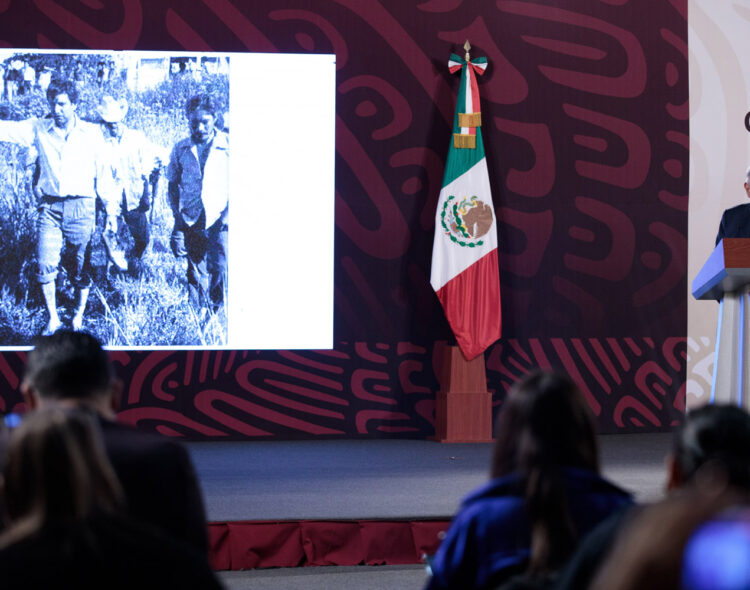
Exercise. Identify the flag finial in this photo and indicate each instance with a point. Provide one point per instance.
(467, 46)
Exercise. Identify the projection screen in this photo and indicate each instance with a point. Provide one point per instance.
(167, 200)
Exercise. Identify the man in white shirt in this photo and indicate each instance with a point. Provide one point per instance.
(134, 159)
(72, 173)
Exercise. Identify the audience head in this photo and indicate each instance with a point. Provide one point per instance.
(544, 422)
(69, 368)
(648, 553)
(545, 426)
(710, 463)
(56, 471)
(747, 182)
(713, 435)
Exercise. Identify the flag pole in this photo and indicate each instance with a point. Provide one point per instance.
(463, 406)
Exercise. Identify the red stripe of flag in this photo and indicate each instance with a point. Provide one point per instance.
(474, 88)
(471, 301)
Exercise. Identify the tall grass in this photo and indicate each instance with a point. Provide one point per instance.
(151, 310)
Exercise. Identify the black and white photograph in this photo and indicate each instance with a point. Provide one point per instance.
(114, 172)
(115, 190)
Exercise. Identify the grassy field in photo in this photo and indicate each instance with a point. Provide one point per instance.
(122, 310)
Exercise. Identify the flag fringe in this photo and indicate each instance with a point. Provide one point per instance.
(469, 119)
(462, 141)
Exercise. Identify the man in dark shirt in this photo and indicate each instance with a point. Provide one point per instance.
(70, 369)
(198, 175)
(735, 222)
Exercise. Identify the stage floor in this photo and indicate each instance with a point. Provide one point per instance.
(363, 577)
(380, 479)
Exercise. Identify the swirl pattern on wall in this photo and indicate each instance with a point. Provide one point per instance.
(585, 114)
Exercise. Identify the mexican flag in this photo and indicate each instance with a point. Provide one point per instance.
(465, 272)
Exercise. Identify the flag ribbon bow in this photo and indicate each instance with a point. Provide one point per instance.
(468, 114)
(478, 65)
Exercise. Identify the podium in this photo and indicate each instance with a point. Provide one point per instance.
(726, 277)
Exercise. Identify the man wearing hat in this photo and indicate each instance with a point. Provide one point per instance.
(134, 160)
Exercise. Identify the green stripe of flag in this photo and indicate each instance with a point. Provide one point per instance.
(461, 160)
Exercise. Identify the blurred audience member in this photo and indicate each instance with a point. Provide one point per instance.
(66, 523)
(70, 369)
(545, 492)
(648, 555)
(715, 440)
(716, 554)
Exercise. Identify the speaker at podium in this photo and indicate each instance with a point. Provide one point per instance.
(725, 277)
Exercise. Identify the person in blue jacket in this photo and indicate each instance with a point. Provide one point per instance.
(544, 495)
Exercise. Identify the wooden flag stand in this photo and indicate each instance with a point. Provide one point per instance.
(463, 406)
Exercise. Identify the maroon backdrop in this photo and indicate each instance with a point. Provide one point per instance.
(585, 111)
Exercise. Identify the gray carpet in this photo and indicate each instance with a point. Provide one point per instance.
(392, 577)
(637, 462)
(372, 479)
(347, 479)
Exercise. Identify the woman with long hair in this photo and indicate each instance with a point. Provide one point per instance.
(544, 495)
(66, 525)
(56, 473)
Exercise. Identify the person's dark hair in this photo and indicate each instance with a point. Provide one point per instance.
(56, 472)
(68, 365)
(62, 86)
(204, 102)
(718, 435)
(544, 425)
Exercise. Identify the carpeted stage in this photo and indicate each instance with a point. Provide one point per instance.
(344, 502)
